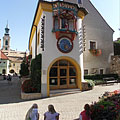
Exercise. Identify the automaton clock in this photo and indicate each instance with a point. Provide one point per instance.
(65, 45)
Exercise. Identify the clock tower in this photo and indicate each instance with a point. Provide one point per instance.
(6, 39)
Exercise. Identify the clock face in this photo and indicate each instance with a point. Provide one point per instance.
(65, 45)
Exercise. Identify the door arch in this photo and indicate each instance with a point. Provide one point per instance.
(63, 72)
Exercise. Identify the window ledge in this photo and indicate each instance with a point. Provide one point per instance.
(65, 30)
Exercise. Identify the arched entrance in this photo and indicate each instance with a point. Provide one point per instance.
(62, 75)
(64, 72)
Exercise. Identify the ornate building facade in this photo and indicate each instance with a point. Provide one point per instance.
(56, 33)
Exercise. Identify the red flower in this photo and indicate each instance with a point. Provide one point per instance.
(102, 106)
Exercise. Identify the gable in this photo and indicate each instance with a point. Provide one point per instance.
(94, 18)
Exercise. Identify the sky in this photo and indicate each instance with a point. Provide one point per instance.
(20, 15)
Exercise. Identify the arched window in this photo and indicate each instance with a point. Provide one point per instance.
(6, 42)
(3, 71)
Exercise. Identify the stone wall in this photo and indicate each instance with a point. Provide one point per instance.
(30, 96)
(115, 64)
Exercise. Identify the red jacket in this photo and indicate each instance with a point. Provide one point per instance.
(84, 116)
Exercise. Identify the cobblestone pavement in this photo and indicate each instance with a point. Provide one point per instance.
(69, 106)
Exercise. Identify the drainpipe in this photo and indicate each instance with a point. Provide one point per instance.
(36, 41)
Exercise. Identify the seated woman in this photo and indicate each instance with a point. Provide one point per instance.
(32, 113)
(51, 114)
(85, 114)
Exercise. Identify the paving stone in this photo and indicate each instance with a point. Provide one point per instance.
(69, 106)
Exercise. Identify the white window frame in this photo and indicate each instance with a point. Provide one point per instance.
(84, 71)
(101, 69)
(92, 41)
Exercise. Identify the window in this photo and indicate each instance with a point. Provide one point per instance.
(6, 42)
(101, 71)
(64, 23)
(92, 45)
(3, 71)
(14, 64)
(61, 73)
(86, 72)
(38, 40)
(71, 25)
(56, 23)
(79, 2)
(6, 48)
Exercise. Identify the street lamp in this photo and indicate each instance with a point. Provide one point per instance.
(36, 41)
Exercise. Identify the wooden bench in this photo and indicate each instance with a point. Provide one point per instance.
(108, 80)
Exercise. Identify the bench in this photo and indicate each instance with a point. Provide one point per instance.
(108, 80)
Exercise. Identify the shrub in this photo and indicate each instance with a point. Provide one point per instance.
(108, 108)
(90, 83)
(27, 86)
(117, 48)
(100, 76)
(24, 71)
(36, 72)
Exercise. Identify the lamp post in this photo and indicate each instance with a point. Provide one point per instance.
(36, 41)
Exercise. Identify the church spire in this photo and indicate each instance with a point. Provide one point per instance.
(7, 29)
(6, 39)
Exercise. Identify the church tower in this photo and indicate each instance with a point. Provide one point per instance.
(6, 39)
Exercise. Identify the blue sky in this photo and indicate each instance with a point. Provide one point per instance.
(20, 14)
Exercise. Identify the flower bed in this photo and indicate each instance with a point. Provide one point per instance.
(28, 91)
(108, 107)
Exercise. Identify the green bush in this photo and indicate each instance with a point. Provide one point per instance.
(98, 82)
(36, 72)
(90, 83)
(100, 76)
(106, 104)
(117, 48)
(24, 71)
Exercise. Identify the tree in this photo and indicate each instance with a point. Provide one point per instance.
(36, 72)
(24, 71)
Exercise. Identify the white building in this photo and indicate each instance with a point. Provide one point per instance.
(98, 42)
(56, 33)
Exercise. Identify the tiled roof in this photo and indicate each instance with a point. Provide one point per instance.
(3, 56)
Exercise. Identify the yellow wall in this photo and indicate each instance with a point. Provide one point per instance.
(42, 7)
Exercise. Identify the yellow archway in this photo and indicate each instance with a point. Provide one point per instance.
(78, 70)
